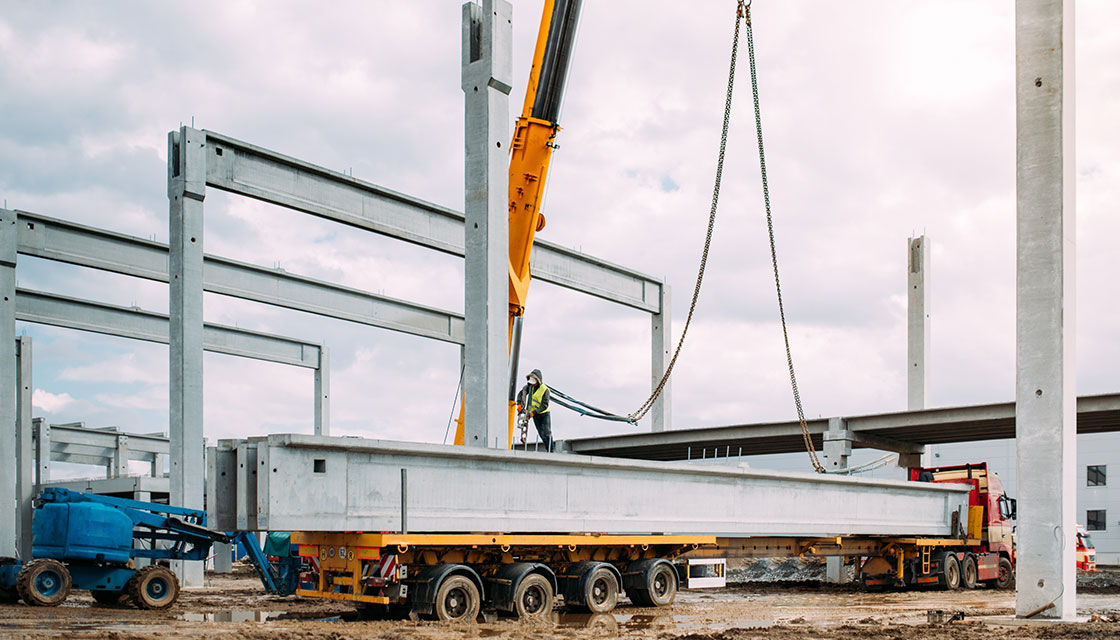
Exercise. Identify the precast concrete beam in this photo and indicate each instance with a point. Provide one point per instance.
(309, 483)
(1045, 322)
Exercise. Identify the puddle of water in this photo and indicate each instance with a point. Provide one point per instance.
(235, 615)
(614, 622)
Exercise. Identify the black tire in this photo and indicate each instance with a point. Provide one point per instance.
(600, 592)
(109, 597)
(534, 597)
(153, 587)
(457, 600)
(950, 572)
(9, 596)
(43, 583)
(1006, 577)
(970, 574)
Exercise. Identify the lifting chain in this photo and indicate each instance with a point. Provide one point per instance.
(742, 14)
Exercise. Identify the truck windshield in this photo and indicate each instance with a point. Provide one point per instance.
(1087, 541)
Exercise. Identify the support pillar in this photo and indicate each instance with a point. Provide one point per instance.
(9, 514)
(1045, 394)
(25, 467)
(834, 570)
(42, 435)
(917, 373)
(837, 444)
(120, 457)
(486, 78)
(662, 331)
(186, 189)
(323, 393)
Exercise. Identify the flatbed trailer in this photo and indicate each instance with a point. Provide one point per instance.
(452, 576)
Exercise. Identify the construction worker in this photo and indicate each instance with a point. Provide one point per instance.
(534, 399)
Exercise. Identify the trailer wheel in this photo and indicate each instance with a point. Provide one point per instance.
(457, 600)
(1006, 575)
(533, 598)
(601, 591)
(951, 572)
(970, 574)
(109, 597)
(658, 587)
(9, 595)
(43, 583)
(153, 587)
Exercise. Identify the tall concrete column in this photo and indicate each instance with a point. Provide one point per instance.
(42, 435)
(487, 75)
(186, 189)
(323, 393)
(9, 514)
(25, 467)
(662, 330)
(1045, 394)
(917, 370)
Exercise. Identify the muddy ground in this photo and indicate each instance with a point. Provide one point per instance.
(236, 607)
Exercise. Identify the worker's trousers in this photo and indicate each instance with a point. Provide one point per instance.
(544, 429)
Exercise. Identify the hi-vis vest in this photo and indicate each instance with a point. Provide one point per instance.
(537, 399)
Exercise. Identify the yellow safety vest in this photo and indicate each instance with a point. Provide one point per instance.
(537, 399)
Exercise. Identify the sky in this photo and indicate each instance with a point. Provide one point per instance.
(883, 120)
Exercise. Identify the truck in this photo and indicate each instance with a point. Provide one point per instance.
(1086, 552)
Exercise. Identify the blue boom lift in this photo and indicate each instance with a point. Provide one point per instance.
(88, 541)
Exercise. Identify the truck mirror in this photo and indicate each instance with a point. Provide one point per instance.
(1014, 507)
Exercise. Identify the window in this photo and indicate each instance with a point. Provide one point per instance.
(1095, 520)
(1096, 475)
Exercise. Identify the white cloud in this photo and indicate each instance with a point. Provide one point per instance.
(121, 369)
(50, 402)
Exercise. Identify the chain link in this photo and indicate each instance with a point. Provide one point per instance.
(648, 404)
(774, 253)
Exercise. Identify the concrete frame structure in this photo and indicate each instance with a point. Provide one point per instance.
(487, 76)
(1045, 390)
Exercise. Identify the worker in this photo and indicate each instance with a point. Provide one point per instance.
(534, 400)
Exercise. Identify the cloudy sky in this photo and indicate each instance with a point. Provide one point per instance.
(883, 120)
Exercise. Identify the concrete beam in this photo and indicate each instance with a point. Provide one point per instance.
(63, 241)
(248, 170)
(1045, 396)
(125, 322)
(186, 190)
(487, 71)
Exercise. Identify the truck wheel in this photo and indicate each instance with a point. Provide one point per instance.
(601, 591)
(658, 588)
(457, 600)
(970, 574)
(951, 572)
(153, 587)
(109, 597)
(1006, 575)
(533, 598)
(43, 583)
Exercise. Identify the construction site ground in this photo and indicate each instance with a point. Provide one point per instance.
(236, 607)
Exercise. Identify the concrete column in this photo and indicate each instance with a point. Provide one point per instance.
(917, 370)
(1045, 394)
(323, 393)
(487, 76)
(120, 457)
(42, 451)
(25, 467)
(837, 444)
(834, 570)
(186, 189)
(662, 331)
(9, 514)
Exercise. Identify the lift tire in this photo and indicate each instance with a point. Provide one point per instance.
(533, 597)
(950, 572)
(9, 595)
(1006, 577)
(658, 587)
(153, 587)
(600, 593)
(109, 597)
(970, 573)
(44, 583)
(457, 600)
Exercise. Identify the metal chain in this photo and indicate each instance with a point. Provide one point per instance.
(648, 404)
(774, 253)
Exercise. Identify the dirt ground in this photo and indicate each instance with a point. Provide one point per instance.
(236, 607)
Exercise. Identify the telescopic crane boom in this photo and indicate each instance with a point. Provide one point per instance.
(533, 141)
